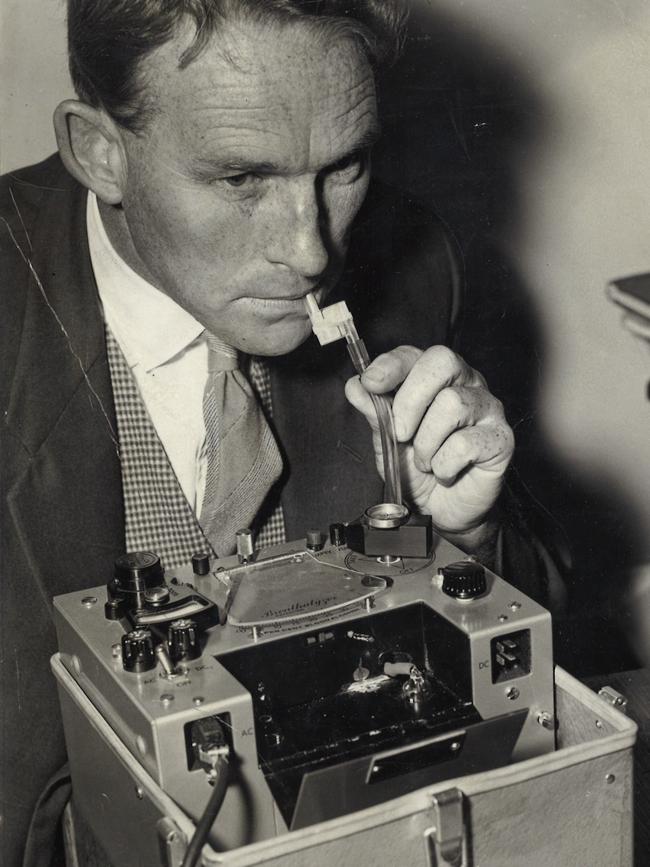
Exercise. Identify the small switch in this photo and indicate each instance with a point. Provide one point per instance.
(245, 547)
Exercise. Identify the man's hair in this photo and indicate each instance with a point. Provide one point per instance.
(108, 39)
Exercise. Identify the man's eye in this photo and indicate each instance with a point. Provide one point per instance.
(349, 168)
(243, 180)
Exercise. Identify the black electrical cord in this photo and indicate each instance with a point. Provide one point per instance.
(210, 813)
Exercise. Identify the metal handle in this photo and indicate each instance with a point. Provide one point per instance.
(446, 842)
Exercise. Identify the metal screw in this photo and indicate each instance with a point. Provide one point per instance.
(198, 700)
(89, 601)
(514, 606)
(503, 618)
(512, 693)
(166, 698)
(454, 746)
(298, 558)
(610, 778)
(139, 793)
(599, 725)
(545, 719)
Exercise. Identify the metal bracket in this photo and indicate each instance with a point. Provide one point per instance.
(614, 698)
(173, 842)
(445, 842)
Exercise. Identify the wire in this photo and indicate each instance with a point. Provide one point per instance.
(344, 568)
(210, 813)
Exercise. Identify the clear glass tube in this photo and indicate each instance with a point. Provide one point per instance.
(384, 409)
(335, 322)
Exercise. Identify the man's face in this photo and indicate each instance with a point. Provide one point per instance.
(242, 190)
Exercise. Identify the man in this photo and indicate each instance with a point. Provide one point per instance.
(217, 160)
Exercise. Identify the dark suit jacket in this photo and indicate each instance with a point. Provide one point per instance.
(62, 515)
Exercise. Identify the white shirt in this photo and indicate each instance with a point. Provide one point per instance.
(166, 350)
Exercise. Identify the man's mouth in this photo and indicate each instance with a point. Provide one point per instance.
(291, 299)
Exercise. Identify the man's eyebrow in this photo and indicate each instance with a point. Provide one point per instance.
(368, 139)
(207, 166)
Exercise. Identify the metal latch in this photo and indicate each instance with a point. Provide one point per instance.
(445, 841)
(614, 698)
(173, 842)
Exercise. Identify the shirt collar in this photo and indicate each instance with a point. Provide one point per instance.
(150, 327)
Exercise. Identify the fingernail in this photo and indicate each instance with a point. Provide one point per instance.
(374, 374)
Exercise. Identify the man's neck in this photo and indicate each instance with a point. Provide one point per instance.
(116, 228)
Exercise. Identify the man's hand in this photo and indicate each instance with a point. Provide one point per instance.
(456, 442)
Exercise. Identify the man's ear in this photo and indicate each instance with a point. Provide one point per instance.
(91, 147)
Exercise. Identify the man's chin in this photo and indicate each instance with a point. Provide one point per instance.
(278, 338)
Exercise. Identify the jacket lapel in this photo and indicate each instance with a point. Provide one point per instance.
(67, 504)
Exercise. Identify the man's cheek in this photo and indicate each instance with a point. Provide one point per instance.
(343, 207)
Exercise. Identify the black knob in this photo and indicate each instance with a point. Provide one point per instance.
(183, 641)
(138, 571)
(314, 540)
(463, 580)
(138, 651)
(337, 535)
(201, 564)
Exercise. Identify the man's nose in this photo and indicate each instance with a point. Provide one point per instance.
(300, 235)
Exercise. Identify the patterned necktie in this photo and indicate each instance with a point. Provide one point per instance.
(243, 459)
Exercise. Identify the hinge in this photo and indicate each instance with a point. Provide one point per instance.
(445, 841)
(173, 842)
(614, 698)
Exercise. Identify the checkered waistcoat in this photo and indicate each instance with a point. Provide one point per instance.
(157, 514)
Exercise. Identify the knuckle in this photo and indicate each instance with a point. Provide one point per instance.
(501, 442)
(497, 406)
(458, 446)
(442, 361)
(407, 357)
(507, 437)
(488, 406)
(478, 379)
(450, 401)
(410, 353)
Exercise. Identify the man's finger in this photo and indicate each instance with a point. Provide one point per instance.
(453, 408)
(390, 369)
(437, 368)
(487, 445)
(361, 401)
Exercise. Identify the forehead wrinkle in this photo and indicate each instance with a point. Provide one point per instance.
(349, 137)
(299, 103)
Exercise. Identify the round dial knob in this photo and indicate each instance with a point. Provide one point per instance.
(463, 580)
(138, 651)
(183, 640)
(201, 564)
(138, 571)
(314, 540)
